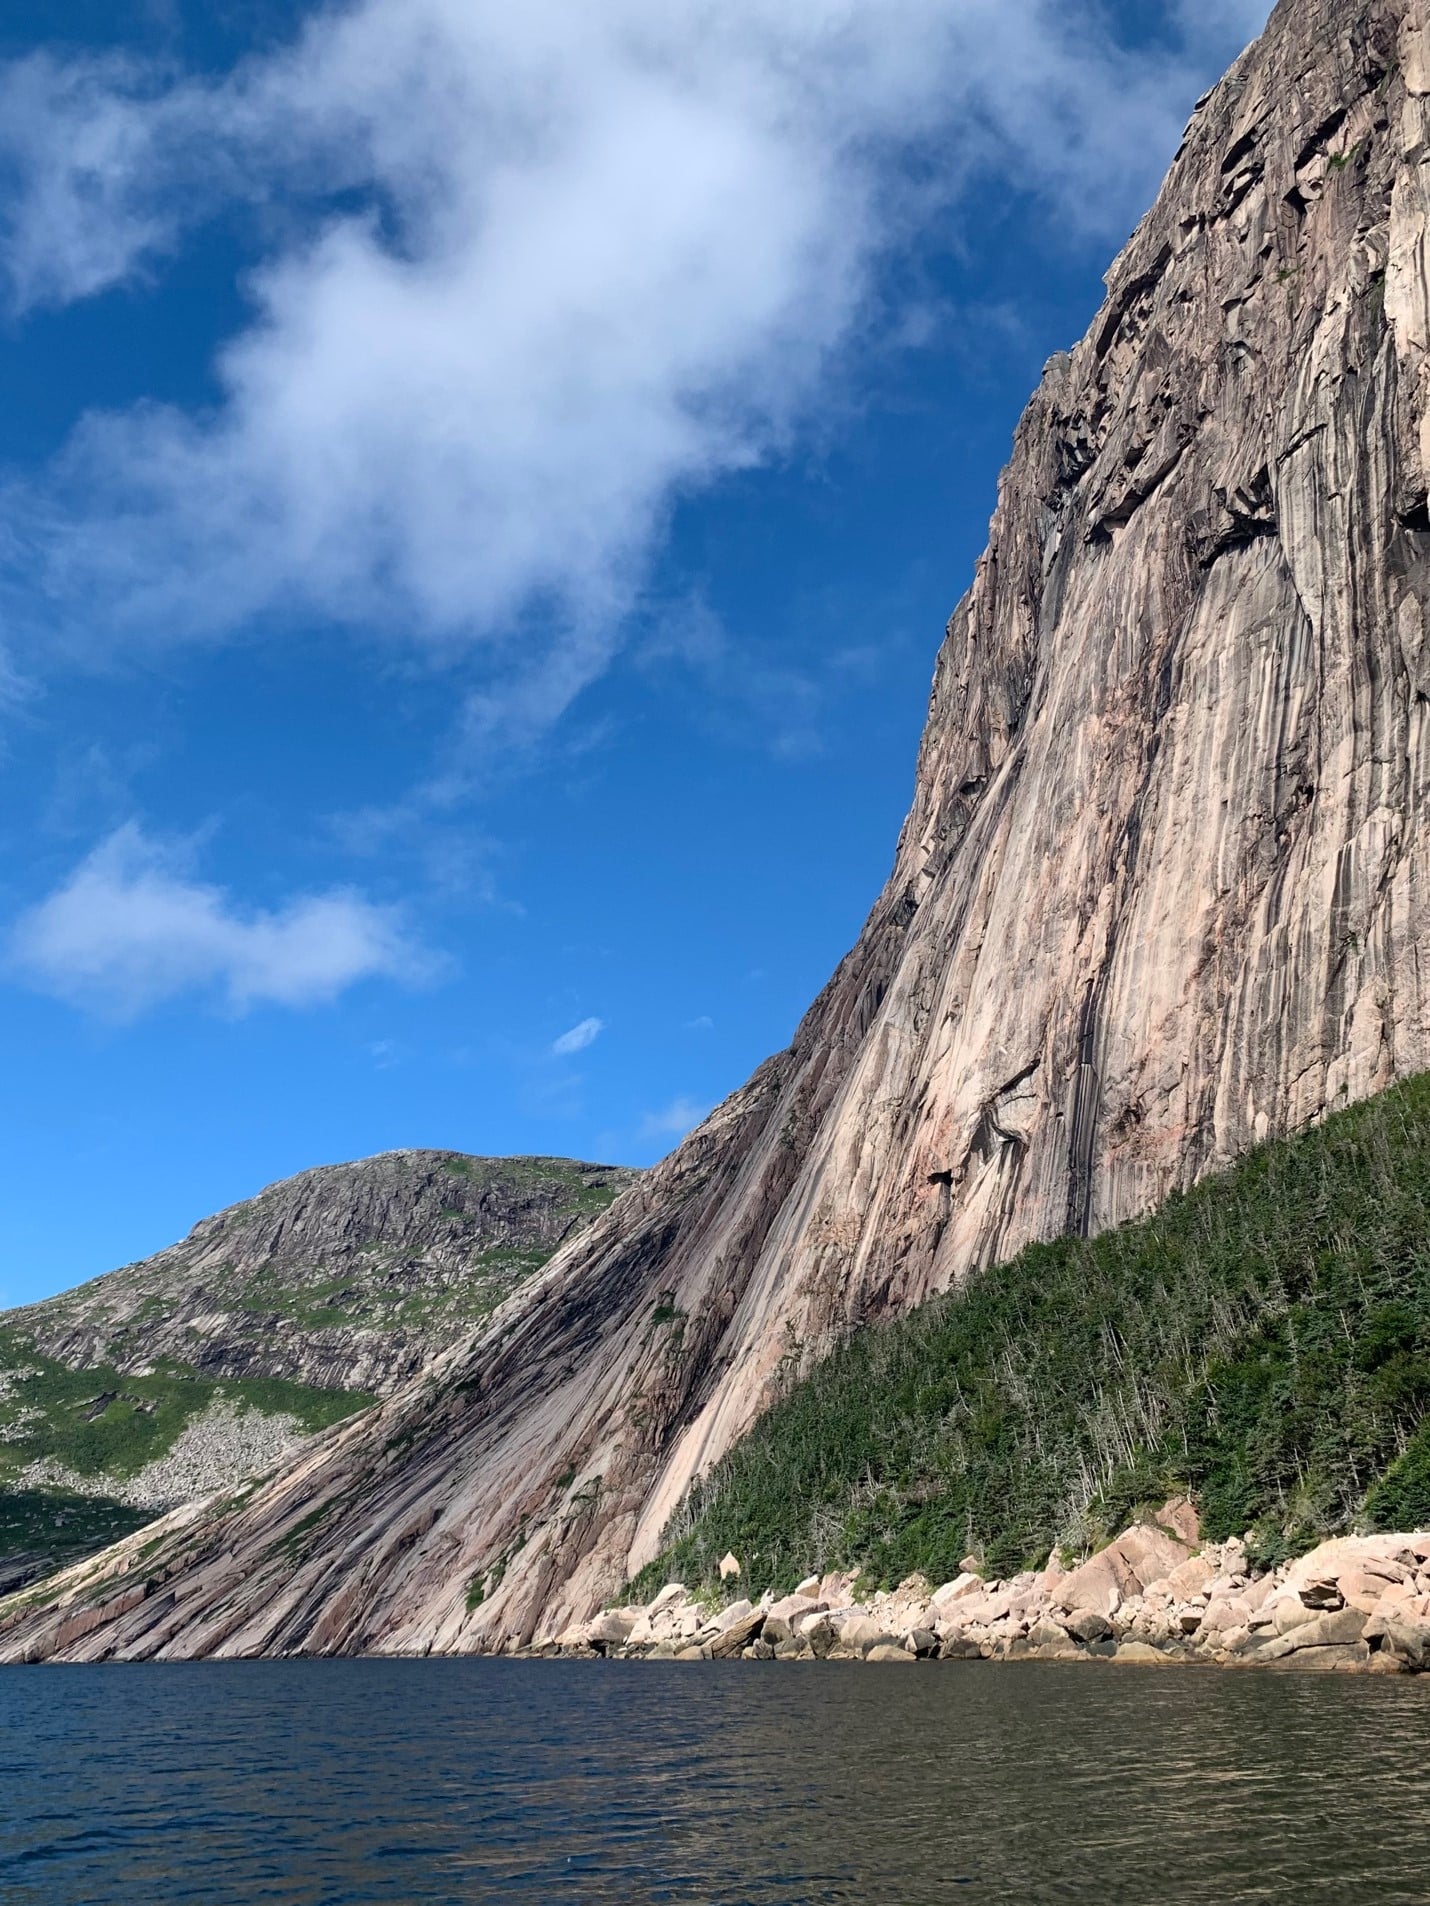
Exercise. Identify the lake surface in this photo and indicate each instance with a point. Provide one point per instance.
(333, 1783)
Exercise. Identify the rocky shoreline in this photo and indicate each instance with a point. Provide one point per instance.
(1154, 1597)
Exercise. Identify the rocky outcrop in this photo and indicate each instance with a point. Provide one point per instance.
(1359, 1605)
(1161, 894)
(349, 1277)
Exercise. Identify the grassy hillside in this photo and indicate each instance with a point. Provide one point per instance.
(102, 1428)
(1263, 1342)
(98, 1422)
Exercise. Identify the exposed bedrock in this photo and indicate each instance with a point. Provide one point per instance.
(1161, 894)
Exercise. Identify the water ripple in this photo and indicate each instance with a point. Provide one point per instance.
(482, 1783)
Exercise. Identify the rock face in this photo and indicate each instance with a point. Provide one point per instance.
(350, 1277)
(1161, 894)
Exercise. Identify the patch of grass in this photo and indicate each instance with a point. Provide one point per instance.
(101, 1423)
(1263, 1341)
(58, 1529)
(1340, 160)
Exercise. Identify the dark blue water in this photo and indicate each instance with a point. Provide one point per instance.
(329, 1783)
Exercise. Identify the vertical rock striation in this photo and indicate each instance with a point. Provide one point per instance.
(1161, 894)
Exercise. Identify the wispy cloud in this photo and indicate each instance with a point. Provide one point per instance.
(682, 1115)
(578, 1038)
(530, 274)
(129, 929)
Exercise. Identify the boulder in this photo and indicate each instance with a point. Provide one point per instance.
(1046, 1633)
(791, 1608)
(1361, 1588)
(1258, 1591)
(1332, 1659)
(1288, 1612)
(862, 1632)
(959, 1647)
(729, 1568)
(1187, 1579)
(1323, 1592)
(736, 1612)
(611, 1629)
(692, 1653)
(944, 1598)
(1408, 1641)
(835, 1589)
(1179, 1517)
(1340, 1628)
(922, 1642)
(888, 1651)
(1320, 1571)
(819, 1636)
(736, 1635)
(1225, 1613)
(809, 1586)
(1383, 1663)
(1123, 1569)
(1088, 1626)
(1138, 1654)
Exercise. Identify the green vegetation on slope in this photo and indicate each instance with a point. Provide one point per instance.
(54, 1529)
(1263, 1341)
(101, 1423)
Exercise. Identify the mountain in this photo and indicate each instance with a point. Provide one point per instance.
(189, 1371)
(1160, 897)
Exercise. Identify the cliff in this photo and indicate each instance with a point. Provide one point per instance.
(1160, 895)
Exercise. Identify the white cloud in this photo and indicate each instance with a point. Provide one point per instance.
(703, 1024)
(679, 1117)
(588, 259)
(128, 930)
(578, 1038)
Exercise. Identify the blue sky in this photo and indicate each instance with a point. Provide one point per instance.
(480, 496)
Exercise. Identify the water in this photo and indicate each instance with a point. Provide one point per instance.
(332, 1783)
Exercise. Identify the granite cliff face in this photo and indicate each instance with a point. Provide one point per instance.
(1162, 893)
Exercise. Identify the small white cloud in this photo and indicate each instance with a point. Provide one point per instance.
(578, 1038)
(703, 1024)
(128, 930)
(679, 1117)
